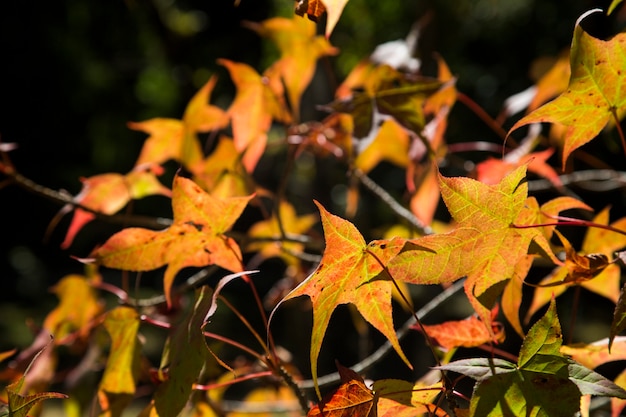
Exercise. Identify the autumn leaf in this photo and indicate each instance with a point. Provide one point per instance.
(109, 193)
(185, 356)
(470, 332)
(485, 246)
(391, 144)
(591, 269)
(195, 238)
(397, 398)
(594, 96)
(552, 83)
(78, 307)
(596, 353)
(352, 398)
(386, 93)
(222, 174)
(121, 371)
(177, 139)
(492, 170)
(290, 224)
(300, 49)
(314, 9)
(255, 106)
(350, 271)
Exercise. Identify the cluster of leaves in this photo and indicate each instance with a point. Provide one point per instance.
(384, 111)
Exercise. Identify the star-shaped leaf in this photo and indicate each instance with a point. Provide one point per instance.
(256, 105)
(350, 271)
(300, 49)
(196, 237)
(177, 139)
(109, 193)
(485, 246)
(596, 93)
(222, 173)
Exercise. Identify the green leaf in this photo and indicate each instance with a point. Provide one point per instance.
(592, 383)
(543, 338)
(525, 393)
(479, 368)
(19, 405)
(185, 358)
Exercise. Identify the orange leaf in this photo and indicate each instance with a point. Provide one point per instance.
(300, 50)
(350, 271)
(470, 332)
(485, 246)
(78, 307)
(221, 173)
(109, 193)
(552, 83)
(397, 398)
(291, 224)
(177, 139)
(493, 170)
(597, 353)
(351, 399)
(390, 144)
(196, 237)
(595, 94)
(252, 112)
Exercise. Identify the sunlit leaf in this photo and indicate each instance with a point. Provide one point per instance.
(300, 49)
(597, 353)
(121, 372)
(595, 95)
(177, 139)
(195, 238)
(485, 246)
(590, 269)
(78, 307)
(470, 332)
(222, 174)
(272, 230)
(350, 271)
(256, 105)
(397, 398)
(109, 193)
(352, 398)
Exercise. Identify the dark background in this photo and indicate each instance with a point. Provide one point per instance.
(73, 73)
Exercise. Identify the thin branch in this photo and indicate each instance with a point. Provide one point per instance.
(386, 347)
(593, 180)
(64, 198)
(392, 203)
